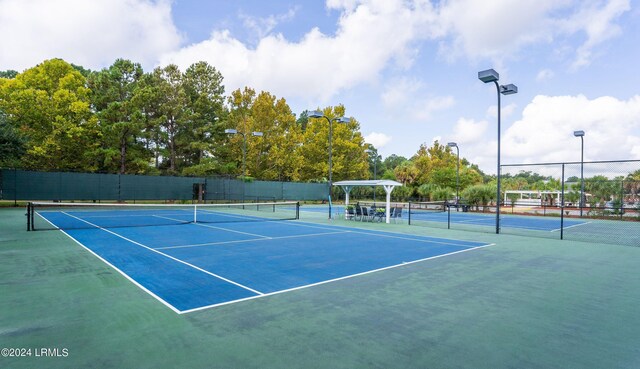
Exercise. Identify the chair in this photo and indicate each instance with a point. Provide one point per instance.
(396, 214)
(365, 213)
(350, 213)
(358, 212)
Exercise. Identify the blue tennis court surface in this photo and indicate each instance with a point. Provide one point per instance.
(194, 266)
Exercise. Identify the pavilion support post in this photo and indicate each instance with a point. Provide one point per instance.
(347, 190)
(388, 190)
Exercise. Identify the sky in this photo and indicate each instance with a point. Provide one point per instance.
(406, 70)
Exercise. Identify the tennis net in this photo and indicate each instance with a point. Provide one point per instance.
(57, 215)
(425, 210)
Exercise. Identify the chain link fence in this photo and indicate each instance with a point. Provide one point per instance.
(590, 201)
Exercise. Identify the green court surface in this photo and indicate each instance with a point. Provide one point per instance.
(520, 303)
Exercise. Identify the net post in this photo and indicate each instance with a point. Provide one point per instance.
(448, 215)
(195, 212)
(409, 214)
(297, 210)
(562, 207)
(29, 216)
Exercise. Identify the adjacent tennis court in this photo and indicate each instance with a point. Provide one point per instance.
(194, 257)
(439, 214)
(528, 222)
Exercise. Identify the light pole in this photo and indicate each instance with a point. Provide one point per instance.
(453, 144)
(581, 135)
(244, 146)
(488, 76)
(375, 169)
(319, 114)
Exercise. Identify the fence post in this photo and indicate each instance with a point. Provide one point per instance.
(29, 216)
(562, 206)
(621, 199)
(15, 187)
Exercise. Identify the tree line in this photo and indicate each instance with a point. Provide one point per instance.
(121, 119)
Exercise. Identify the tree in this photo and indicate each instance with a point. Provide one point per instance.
(632, 186)
(303, 120)
(276, 155)
(240, 103)
(392, 161)
(9, 74)
(50, 105)
(479, 194)
(12, 144)
(600, 188)
(203, 135)
(406, 173)
(349, 159)
(428, 190)
(113, 89)
(173, 109)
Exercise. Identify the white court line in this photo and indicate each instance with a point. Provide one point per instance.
(354, 230)
(250, 240)
(169, 256)
(214, 227)
(575, 225)
(334, 280)
(259, 294)
(116, 269)
(121, 215)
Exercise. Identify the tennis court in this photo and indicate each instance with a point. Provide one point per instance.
(439, 214)
(529, 222)
(191, 257)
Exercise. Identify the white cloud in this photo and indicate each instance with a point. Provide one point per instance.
(262, 26)
(378, 140)
(499, 28)
(597, 22)
(544, 75)
(89, 33)
(490, 29)
(370, 36)
(545, 132)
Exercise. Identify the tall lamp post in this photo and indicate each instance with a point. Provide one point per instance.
(488, 76)
(244, 146)
(581, 135)
(453, 144)
(375, 168)
(319, 114)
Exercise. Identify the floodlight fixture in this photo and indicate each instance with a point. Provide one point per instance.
(315, 114)
(488, 75)
(230, 131)
(509, 89)
(578, 133)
